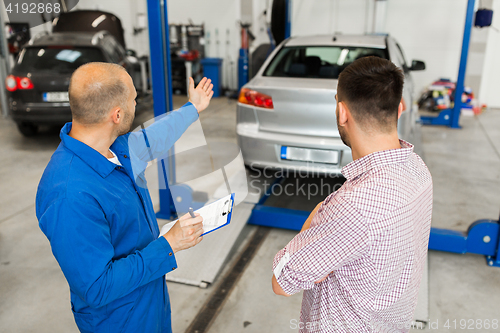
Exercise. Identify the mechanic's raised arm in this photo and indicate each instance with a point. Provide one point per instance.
(157, 139)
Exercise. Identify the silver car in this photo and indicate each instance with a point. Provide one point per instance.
(286, 113)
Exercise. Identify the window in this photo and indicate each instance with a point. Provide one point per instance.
(402, 56)
(114, 50)
(62, 59)
(324, 62)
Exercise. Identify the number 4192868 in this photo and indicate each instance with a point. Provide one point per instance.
(34, 8)
(471, 324)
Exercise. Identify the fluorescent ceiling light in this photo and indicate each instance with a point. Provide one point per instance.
(98, 20)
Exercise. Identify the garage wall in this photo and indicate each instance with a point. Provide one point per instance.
(219, 16)
(490, 86)
(432, 31)
(311, 17)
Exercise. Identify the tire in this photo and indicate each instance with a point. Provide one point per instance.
(278, 20)
(27, 129)
(259, 56)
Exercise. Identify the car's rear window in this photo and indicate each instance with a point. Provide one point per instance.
(57, 58)
(324, 62)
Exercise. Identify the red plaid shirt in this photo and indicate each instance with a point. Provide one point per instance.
(370, 237)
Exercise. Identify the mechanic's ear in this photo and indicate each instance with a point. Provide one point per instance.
(116, 115)
(342, 118)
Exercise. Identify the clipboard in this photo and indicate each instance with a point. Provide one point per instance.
(223, 209)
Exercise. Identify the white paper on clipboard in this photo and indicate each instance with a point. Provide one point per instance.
(215, 215)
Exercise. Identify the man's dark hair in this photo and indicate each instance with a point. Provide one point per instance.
(372, 88)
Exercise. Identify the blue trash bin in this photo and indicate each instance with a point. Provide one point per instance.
(212, 69)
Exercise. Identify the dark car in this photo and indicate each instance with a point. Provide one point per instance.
(93, 21)
(37, 88)
(89, 21)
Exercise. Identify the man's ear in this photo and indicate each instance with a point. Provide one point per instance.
(401, 108)
(343, 110)
(116, 115)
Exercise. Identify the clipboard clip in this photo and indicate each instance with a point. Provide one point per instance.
(229, 207)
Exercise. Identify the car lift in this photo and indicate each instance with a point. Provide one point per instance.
(482, 237)
(159, 43)
(450, 117)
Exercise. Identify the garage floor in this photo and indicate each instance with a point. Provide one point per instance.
(465, 165)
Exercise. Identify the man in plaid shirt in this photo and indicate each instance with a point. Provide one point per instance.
(360, 255)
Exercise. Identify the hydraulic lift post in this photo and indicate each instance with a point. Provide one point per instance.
(159, 44)
(450, 117)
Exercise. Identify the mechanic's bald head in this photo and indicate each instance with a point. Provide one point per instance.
(95, 89)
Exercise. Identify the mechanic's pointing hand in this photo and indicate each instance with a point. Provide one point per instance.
(202, 94)
(185, 233)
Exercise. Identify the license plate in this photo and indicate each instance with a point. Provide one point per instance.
(310, 155)
(55, 97)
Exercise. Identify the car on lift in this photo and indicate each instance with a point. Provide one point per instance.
(286, 114)
(37, 87)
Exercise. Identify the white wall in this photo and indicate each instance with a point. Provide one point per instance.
(490, 84)
(432, 31)
(311, 17)
(218, 16)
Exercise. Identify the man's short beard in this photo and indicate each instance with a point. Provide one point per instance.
(343, 135)
(126, 125)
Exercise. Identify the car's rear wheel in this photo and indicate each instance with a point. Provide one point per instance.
(278, 20)
(27, 129)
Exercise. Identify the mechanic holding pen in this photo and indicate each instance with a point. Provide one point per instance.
(100, 223)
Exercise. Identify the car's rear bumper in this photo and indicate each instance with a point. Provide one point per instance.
(41, 113)
(262, 149)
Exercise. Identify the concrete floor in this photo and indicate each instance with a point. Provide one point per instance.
(465, 165)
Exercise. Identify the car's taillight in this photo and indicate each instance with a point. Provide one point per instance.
(255, 98)
(11, 83)
(24, 83)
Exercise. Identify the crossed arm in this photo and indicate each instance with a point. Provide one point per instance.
(276, 287)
